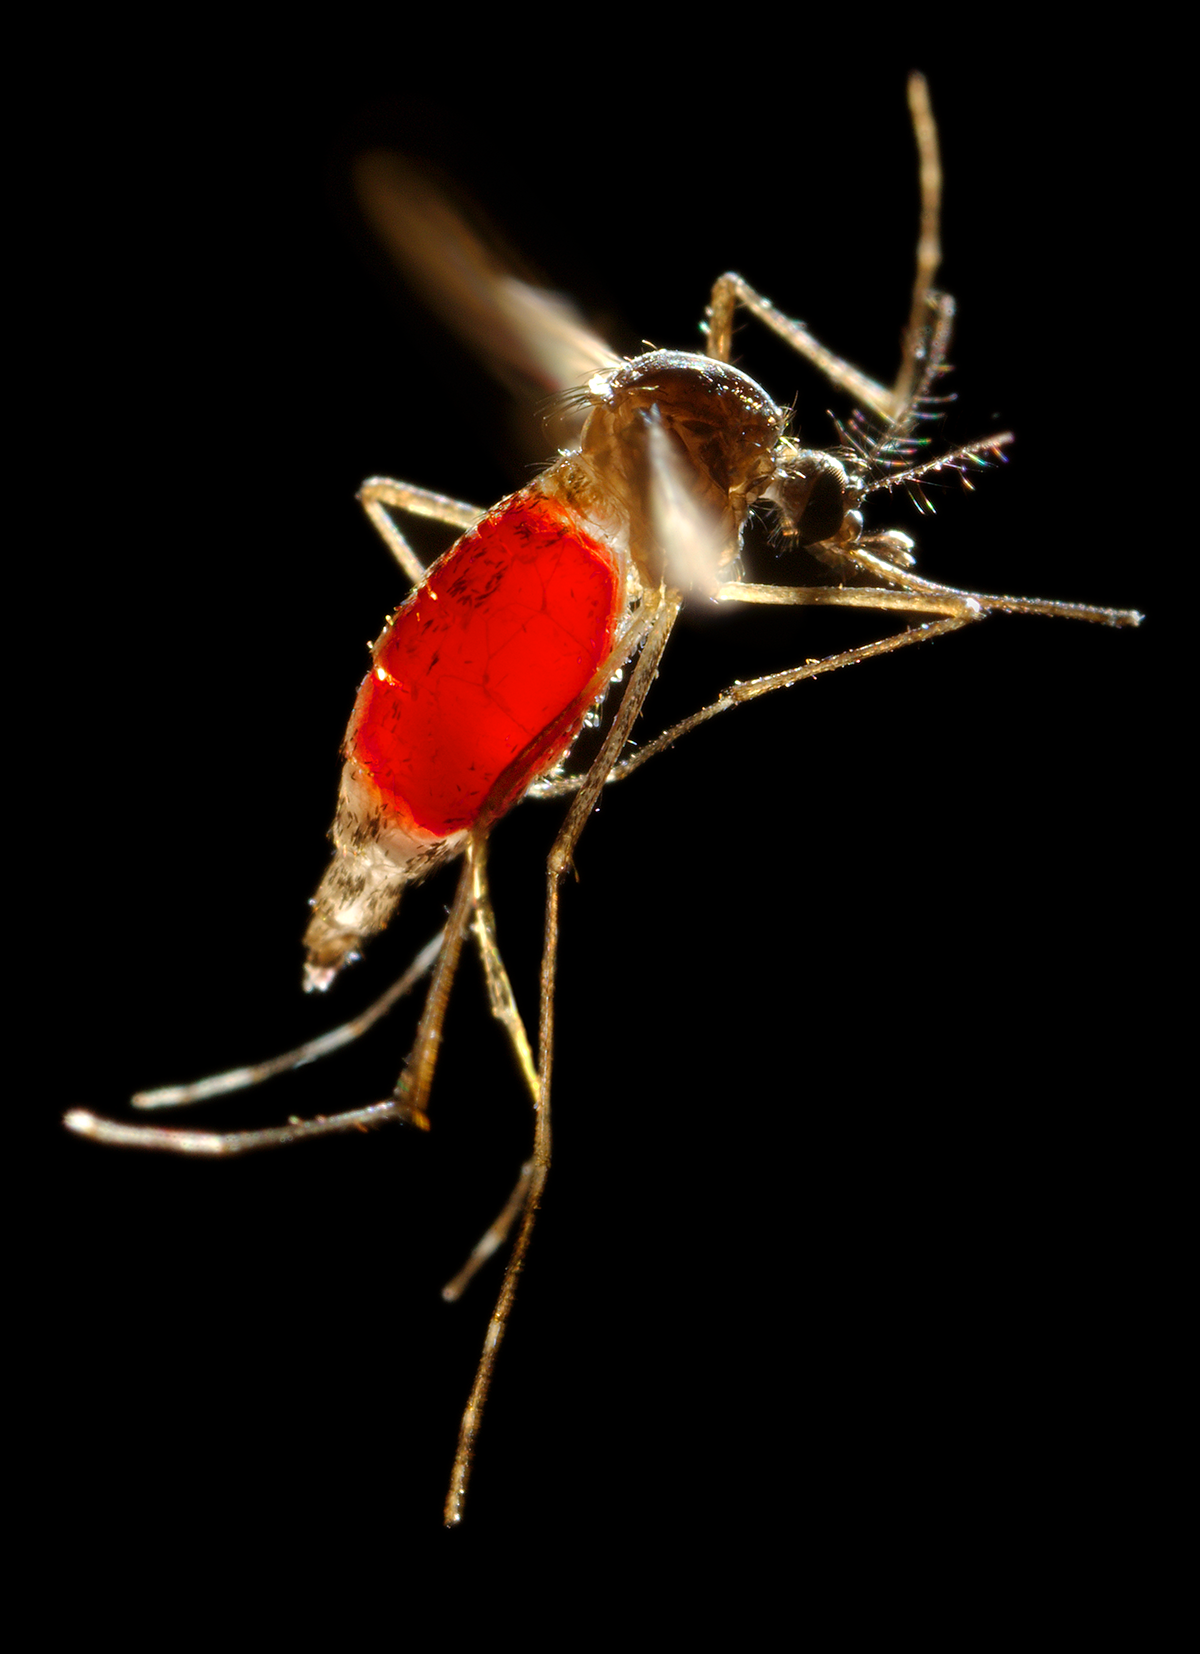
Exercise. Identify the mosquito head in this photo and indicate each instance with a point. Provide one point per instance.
(819, 494)
(814, 494)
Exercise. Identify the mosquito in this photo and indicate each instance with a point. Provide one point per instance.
(484, 676)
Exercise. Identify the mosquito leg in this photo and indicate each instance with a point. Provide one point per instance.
(500, 994)
(406, 1103)
(730, 290)
(929, 247)
(237, 1079)
(564, 845)
(504, 1009)
(752, 689)
(939, 601)
(917, 596)
(175, 1140)
(563, 849)
(468, 1429)
(958, 609)
(102, 1130)
(412, 1087)
(539, 1165)
(492, 1239)
(378, 493)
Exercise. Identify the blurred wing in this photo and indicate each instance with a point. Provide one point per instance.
(516, 328)
(692, 542)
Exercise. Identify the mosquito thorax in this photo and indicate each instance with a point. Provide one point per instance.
(727, 423)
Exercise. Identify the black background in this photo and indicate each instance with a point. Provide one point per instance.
(836, 1245)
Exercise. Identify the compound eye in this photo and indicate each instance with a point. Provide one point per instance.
(822, 515)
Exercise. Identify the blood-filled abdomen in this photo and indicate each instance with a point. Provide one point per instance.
(492, 652)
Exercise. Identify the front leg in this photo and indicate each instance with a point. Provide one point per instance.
(929, 313)
(730, 290)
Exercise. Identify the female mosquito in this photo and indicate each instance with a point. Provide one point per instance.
(482, 679)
